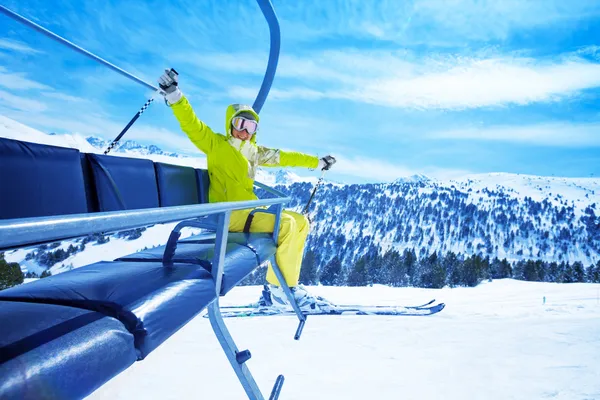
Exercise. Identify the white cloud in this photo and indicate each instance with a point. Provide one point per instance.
(19, 81)
(550, 134)
(401, 80)
(17, 46)
(483, 83)
(65, 97)
(15, 102)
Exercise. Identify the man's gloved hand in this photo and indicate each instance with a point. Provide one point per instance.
(169, 83)
(326, 162)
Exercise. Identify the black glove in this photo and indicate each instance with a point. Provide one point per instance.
(169, 83)
(325, 163)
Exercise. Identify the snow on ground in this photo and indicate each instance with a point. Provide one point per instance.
(496, 341)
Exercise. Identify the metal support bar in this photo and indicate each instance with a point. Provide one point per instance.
(288, 292)
(277, 388)
(227, 343)
(169, 253)
(218, 260)
(22, 232)
(64, 41)
(275, 36)
(275, 209)
(236, 358)
(270, 190)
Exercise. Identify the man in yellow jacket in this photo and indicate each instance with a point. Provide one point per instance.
(232, 162)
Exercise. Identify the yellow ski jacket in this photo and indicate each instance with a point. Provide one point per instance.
(231, 162)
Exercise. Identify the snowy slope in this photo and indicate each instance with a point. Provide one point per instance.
(579, 192)
(496, 341)
(12, 129)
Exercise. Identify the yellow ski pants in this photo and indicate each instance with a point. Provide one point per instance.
(290, 243)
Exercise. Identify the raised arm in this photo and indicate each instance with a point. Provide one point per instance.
(199, 133)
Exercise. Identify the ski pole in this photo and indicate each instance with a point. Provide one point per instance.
(314, 191)
(64, 41)
(135, 117)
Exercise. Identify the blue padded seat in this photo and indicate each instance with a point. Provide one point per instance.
(262, 244)
(203, 184)
(57, 352)
(47, 179)
(177, 185)
(240, 260)
(151, 300)
(123, 183)
(88, 181)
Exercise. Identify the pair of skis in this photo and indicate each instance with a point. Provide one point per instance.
(253, 310)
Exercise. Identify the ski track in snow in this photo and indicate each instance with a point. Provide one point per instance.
(496, 341)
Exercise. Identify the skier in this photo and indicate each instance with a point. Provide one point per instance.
(232, 161)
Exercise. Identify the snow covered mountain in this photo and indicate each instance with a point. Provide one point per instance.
(129, 146)
(497, 215)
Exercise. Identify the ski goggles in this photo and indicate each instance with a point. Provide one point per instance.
(241, 123)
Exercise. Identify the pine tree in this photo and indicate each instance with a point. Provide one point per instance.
(596, 274)
(473, 271)
(569, 274)
(505, 269)
(433, 273)
(530, 272)
(454, 266)
(397, 272)
(552, 273)
(358, 275)
(331, 275)
(308, 273)
(518, 270)
(409, 259)
(578, 272)
(10, 274)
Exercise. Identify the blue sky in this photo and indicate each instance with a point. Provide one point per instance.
(391, 88)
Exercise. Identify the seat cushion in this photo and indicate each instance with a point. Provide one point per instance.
(151, 300)
(240, 260)
(123, 183)
(177, 185)
(39, 180)
(57, 352)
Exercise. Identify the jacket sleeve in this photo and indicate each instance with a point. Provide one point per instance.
(198, 132)
(278, 158)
